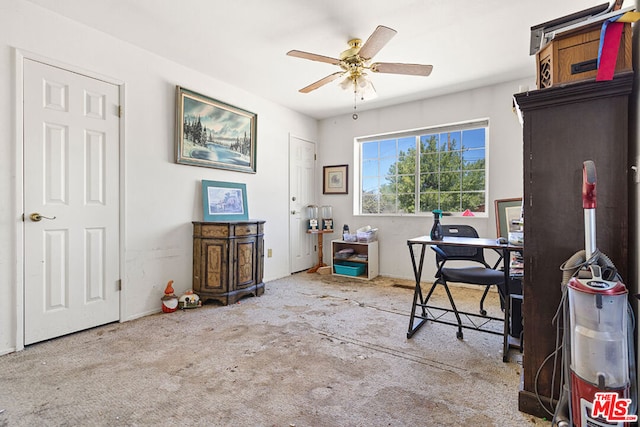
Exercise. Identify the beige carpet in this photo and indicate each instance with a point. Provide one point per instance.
(312, 351)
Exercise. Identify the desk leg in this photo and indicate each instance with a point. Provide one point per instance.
(417, 294)
(320, 256)
(506, 255)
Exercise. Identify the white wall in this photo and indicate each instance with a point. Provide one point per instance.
(161, 197)
(504, 163)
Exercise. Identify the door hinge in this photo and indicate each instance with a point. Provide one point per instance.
(120, 111)
(314, 157)
(119, 284)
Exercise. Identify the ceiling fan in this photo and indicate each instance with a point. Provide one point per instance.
(356, 61)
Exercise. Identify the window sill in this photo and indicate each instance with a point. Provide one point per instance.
(483, 215)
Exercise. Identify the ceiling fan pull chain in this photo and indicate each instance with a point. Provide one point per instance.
(355, 101)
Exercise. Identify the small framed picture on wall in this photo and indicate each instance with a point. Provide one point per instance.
(335, 179)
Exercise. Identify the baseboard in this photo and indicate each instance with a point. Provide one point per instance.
(143, 314)
(7, 351)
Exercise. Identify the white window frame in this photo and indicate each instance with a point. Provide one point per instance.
(451, 127)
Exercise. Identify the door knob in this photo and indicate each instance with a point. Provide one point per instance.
(37, 217)
(293, 198)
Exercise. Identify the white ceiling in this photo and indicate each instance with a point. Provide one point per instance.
(470, 43)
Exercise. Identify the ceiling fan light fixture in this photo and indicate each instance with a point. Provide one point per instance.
(347, 83)
(367, 91)
(362, 81)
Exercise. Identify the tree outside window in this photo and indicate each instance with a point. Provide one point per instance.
(425, 171)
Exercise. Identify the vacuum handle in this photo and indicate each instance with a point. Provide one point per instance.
(589, 185)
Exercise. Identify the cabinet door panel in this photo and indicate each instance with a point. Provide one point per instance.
(215, 266)
(246, 262)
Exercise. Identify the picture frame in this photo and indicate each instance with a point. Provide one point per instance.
(211, 133)
(224, 201)
(506, 210)
(335, 179)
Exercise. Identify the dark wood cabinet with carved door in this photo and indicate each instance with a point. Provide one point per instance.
(228, 260)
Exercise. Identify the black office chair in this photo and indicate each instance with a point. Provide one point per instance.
(482, 275)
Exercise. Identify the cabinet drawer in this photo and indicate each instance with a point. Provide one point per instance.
(246, 229)
(209, 231)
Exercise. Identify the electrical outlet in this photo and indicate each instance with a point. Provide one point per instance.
(269, 253)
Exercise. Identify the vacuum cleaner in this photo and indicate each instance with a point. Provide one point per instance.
(598, 386)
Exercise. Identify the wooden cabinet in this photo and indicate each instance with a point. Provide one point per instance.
(563, 127)
(228, 259)
(365, 257)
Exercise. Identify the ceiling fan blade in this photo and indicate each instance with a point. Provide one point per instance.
(313, 57)
(395, 68)
(376, 41)
(321, 82)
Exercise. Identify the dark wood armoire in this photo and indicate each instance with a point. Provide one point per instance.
(563, 127)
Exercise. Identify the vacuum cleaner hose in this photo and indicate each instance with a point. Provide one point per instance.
(573, 265)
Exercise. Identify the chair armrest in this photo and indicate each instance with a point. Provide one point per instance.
(439, 251)
(496, 266)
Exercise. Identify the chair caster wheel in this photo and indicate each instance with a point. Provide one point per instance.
(483, 312)
(459, 335)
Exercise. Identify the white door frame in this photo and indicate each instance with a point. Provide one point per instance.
(18, 273)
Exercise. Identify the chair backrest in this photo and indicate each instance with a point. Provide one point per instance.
(458, 253)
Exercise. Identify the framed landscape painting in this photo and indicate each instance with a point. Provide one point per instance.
(213, 134)
(224, 201)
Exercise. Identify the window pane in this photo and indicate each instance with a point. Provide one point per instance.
(370, 150)
(370, 184)
(473, 138)
(388, 166)
(429, 182)
(473, 180)
(370, 167)
(388, 203)
(451, 161)
(450, 141)
(388, 148)
(429, 201)
(429, 143)
(430, 162)
(388, 185)
(407, 163)
(473, 159)
(406, 145)
(473, 201)
(406, 203)
(370, 203)
(407, 184)
(450, 202)
(450, 181)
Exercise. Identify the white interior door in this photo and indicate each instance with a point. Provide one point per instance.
(301, 193)
(71, 202)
